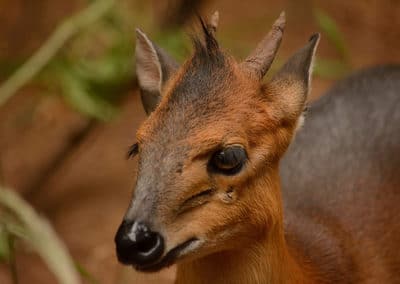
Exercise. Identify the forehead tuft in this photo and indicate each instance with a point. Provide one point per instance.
(199, 92)
(203, 74)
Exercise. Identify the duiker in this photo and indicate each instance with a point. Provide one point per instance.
(208, 190)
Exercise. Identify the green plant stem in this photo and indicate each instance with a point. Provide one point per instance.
(46, 52)
(12, 261)
(42, 237)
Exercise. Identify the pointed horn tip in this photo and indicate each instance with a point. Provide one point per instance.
(281, 21)
(215, 15)
(214, 19)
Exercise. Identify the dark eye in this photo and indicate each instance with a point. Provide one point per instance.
(229, 160)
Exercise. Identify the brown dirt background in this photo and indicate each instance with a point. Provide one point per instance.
(86, 195)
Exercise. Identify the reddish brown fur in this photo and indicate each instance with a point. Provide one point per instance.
(212, 102)
(256, 217)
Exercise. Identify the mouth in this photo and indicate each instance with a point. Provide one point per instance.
(171, 256)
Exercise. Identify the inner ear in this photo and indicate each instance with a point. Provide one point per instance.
(291, 85)
(299, 66)
(153, 68)
(148, 68)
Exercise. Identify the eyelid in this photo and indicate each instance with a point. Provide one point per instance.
(217, 146)
(204, 153)
(228, 145)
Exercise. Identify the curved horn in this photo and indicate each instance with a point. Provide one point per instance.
(260, 60)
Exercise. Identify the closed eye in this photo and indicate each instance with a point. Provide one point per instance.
(196, 200)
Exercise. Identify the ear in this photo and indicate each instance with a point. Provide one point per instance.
(153, 68)
(291, 85)
(260, 60)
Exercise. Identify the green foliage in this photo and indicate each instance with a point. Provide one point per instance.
(330, 29)
(5, 250)
(77, 93)
(92, 70)
(64, 32)
(175, 42)
(22, 221)
(330, 68)
(95, 68)
(85, 274)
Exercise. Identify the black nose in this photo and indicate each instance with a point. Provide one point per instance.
(136, 244)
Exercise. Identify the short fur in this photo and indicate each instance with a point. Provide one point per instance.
(345, 163)
(339, 225)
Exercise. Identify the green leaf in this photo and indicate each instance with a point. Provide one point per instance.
(331, 31)
(175, 42)
(5, 251)
(77, 94)
(108, 73)
(85, 274)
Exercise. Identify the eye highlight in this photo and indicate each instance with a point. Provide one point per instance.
(228, 161)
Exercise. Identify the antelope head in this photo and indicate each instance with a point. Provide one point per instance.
(209, 150)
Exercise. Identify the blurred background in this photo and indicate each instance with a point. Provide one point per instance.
(69, 109)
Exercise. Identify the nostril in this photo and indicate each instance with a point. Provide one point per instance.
(137, 244)
(148, 242)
